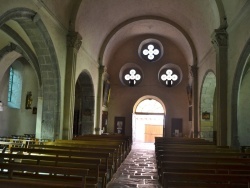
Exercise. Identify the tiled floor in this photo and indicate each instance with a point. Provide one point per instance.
(138, 169)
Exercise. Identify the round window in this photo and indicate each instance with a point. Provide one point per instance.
(150, 50)
(170, 75)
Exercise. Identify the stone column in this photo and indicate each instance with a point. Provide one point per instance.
(220, 42)
(99, 100)
(73, 44)
(194, 102)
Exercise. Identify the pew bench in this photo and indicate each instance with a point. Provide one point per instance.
(119, 145)
(188, 180)
(95, 147)
(113, 159)
(205, 168)
(24, 175)
(106, 138)
(92, 179)
(104, 168)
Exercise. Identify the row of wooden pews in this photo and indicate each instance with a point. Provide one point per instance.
(92, 160)
(193, 162)
(7, 142)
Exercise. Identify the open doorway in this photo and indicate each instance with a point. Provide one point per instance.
(148, 120)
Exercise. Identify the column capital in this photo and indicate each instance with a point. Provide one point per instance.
(74, 40)
(220, 38)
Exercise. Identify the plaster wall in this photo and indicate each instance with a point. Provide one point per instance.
(56, 31)
(239, 34)
(123, 98)
(85, 63)
(19, 121)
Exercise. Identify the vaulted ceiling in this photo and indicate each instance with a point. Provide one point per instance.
(104, 25)
(189, 24)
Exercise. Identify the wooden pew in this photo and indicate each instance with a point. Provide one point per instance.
(112, 161)
(115, 137)
(74, 162)
(172, 155)
(92, 144)
(200, 180)
(203, 167)
(104, 168)
(114, 143)
(93, 147)
(48, 177)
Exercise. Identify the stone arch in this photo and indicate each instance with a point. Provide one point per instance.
(84, 105)
(149, 97)
(241, 79)
(35, 29)
(139, 18)
(207, 105)
(148, 120)
(11, 52)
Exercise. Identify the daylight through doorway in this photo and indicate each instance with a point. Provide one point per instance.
(147, 127)
(148, 121)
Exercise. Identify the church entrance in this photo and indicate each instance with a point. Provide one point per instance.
(148, 121)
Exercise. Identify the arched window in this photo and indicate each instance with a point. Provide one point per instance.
(149, 106)
(15, 88)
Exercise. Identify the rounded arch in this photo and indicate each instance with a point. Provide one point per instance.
(29, 20)
(148, 97)
(207, 104)
(84, 105)
(7, 59)
(140, 18)
(148, 119)
(9, 53)
(241, 77)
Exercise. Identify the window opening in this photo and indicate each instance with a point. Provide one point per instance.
(132, 77)
(150, 52)
(169, 77)
(15, 88)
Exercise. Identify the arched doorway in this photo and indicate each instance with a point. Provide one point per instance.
(84, 106)
(207, 126)
(148, 120)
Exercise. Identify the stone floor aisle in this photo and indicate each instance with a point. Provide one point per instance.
(138, 169)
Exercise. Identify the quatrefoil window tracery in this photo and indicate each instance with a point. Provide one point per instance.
(132, 77)
(169, 77)
(151, 51)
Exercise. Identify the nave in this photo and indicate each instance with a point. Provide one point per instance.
(138, 169)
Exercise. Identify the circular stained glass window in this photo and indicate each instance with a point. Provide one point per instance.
(150, 50)
(131, 75)
(170, 75)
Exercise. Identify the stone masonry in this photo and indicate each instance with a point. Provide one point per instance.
(138, 170)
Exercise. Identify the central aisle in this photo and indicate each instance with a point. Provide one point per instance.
(138, 169)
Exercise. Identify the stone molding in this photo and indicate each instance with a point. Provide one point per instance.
(74, 40)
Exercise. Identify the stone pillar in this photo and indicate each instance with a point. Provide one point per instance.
(194, 74)
(73, 44)
(220, 42)
(99, 100)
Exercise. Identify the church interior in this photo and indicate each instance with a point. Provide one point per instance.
(163, 72)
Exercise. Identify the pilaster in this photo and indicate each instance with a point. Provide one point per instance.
(73, 45)
(220, 42)
(98, 125)
(194, 74)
